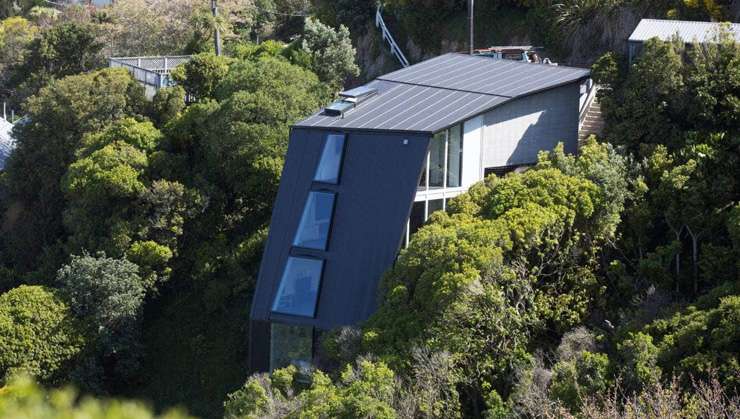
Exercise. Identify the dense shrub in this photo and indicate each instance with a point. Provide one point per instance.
(39, 334)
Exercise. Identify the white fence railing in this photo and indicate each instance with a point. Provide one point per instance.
(395, 49)
(587, 98)
(151, 71)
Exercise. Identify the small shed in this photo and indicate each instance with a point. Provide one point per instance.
(688, 31)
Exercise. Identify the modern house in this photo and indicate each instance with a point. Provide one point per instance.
(367, 171)
(152, 72)
(687, 31)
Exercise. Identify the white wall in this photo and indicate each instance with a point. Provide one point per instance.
(515, 132)
(472, 147)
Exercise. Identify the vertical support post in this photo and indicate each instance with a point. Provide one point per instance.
(217, 37)
(5, 115)
(471, 7)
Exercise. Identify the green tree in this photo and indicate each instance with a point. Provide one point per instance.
(38, 334)
(201, 75)
(576, 379)
(61, 50)
(639, 361)
(331, 53)
(364, 391)
(16, 33)
(167, 104)
(517, 257)
(59, 116)
(698, 341)
(109, 294)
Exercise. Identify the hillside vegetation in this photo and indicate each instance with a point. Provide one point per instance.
(602, 285)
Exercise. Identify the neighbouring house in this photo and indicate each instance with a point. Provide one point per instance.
(7, 143)
(366, 172)
(152, 72)
(687, 31)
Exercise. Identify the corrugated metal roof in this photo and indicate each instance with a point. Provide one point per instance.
(440, 92)
(688, 31)
(7, 144)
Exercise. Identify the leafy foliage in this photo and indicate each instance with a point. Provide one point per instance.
(39, 335)
(61, 50)
(513, 260)
(58, 118)
(22, 397)
(331, 53)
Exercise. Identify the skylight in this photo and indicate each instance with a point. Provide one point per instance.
(331, 160)
(313, 232)
(299, 287)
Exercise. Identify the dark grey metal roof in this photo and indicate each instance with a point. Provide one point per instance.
(442, 91)
(687, 30)
(7, 144)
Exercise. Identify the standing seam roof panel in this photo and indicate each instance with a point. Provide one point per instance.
(491, 75)
(686, 30)
(437, 93)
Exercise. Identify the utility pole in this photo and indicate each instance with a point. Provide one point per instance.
(471, 7)
(217, 39)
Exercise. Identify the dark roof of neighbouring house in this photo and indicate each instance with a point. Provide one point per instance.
(7, 144)
(688, 31)
(435, 94)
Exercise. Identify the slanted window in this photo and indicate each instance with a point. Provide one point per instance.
(299, 287)
(331, 160)
(313, 232)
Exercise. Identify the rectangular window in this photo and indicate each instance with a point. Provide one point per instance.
(313, 231)
(434, 206)
(290, 345)
(454, 157)
(498, 171)
(417, 217)
(437, 161)
(299, 287)
(331, 160)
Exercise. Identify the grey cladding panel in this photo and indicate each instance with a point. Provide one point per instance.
(516, 132)
(374, 195)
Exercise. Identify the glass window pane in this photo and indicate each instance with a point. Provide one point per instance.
(313, 232)
(299, 287)
(417, 217)
(454, 157)
(435, 205)
(331, 159)
(290, 345)
(423, 178)
(437, 161)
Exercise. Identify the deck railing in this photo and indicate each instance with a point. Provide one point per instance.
(151, 71)
(586, 100)
(395, 49)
